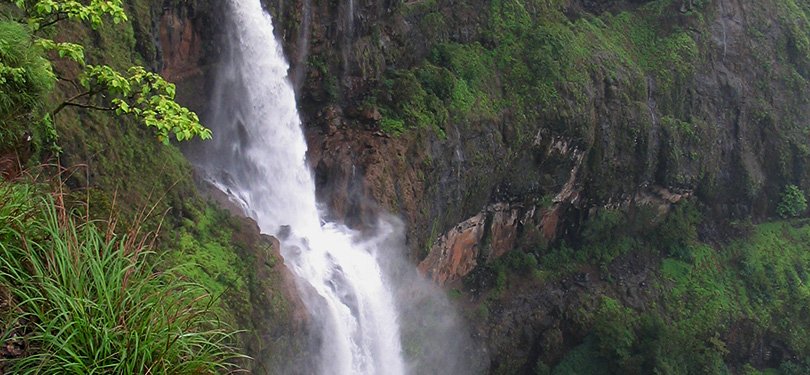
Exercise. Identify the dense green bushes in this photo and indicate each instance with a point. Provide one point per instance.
(88, 300)
(758, 282)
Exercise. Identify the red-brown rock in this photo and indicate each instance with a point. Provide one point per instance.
(455, 254)
(181, 47)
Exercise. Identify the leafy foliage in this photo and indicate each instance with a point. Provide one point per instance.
(72, 51)
(613, 328)
(678, 233)
(43, 13)
(148, 97)
(584, 359)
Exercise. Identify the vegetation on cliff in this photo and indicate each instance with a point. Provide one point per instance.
(576, 114)
(644, 298)
(700, 97)
(534, 64)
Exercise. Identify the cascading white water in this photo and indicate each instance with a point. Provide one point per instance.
(258, 158)
(348, 36)
(351, 19)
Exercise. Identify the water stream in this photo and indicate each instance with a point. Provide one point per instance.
(348, 36)
(653, 136)
(304, 36)
(258, 158)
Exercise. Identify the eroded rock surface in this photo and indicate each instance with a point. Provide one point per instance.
(455, 254)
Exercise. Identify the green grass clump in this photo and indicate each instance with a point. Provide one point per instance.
(392, 126)
(90, 301)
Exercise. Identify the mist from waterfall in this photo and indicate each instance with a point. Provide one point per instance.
(356, 287)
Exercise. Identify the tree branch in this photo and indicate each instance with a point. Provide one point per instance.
(53, 21)
(71, 81)
(71, 102)
(87, 106)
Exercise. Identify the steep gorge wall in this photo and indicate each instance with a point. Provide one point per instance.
(629, 105)
(724, 120)
(523, 121)
(710, 101)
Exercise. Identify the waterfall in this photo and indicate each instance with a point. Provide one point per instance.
(653, 136)
(351, 18)
(258, 158)
(304, 35)
(348, 36)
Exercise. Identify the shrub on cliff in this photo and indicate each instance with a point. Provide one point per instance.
(793, 202)
(85, 300)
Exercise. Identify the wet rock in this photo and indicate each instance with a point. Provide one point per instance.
(486, 236)
(454, 254)
(582, 279)
(284, 232)
(181, 45)
(549, 223)
(371, 114)
(503, 230)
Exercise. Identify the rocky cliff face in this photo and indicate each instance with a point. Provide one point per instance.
(501, 126)
(668, 99)
(721, 128)
(713, 106)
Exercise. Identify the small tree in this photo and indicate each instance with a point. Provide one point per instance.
(144, 95)
(793, 202)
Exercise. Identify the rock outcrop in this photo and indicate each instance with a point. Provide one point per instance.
(456, 253)
(478, 240)
(181, 45)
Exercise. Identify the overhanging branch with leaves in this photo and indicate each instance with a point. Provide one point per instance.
(138, 93)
